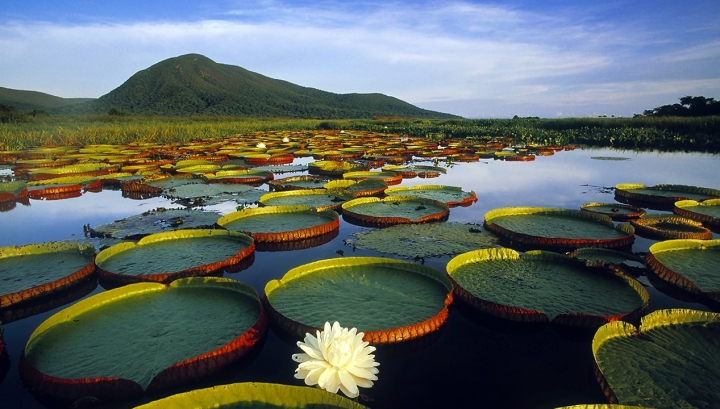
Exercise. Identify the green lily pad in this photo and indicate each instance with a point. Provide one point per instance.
(543, 286)
(664, 194)
(371, 211)
(557, 229)
(671, 361)
(155, 221)
(451, 195)
(214, 193)
(320, 199)
(10, 191)
(334, 168)
(670, 227)
(298, 182)
(391, 178)
(255, 395)
(281, 223)
(34, 270)
(277, 169)
(111, 344)
(167, 256)
(614, 210)
(706, 212)
(425, 240)
(691, 265)
(252, 176)
(596, 256)
(389, 300)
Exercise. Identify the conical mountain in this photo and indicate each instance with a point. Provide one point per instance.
(193, 84)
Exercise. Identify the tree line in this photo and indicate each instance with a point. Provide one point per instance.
(688, 106)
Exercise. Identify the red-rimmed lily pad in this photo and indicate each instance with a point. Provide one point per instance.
(691, 265)
(663, 195)
(320, 199)
(670, 227)
(548, 228)
(164, 257)
(298, 182)
(451, 195)
(672, 360)
(425, 240)
(373, 211)
(281, 223)
(615, 211)
(391, 178)
(34, 270)
(255, 395)
(10, 191)
(389, 300)
(358, 188)
(155, 221)
(240, 176)
(335, 168)
(543, 286)
(707, 212)
(143, 337)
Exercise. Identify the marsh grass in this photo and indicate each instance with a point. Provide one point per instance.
(640, 133)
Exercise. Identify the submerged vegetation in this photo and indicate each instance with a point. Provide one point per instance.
(641, 133)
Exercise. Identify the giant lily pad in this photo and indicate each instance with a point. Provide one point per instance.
(334, 168)
(372, 211)
(143, 336)
(425, 240)
(31, 271)
(281, 223)
(691, 265)
(213, 193)
(155, 221)
(389, 300)
(557, 229)
(542, 286)
(671, 361)
(10, 191)
(663, 195)
(321, 199)
(167, 256)
(255, 395)
(707, 211)
(614, 210)
(670, 227)
(297, 182)
(451, 195)
(355, 188)
(240, 176)
(391, 178)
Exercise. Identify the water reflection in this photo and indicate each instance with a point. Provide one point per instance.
(474, 362)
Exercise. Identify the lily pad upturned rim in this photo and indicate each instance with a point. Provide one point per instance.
(181, 372)
(625, 190)
(391, 178)
(290, 183)
(558, 243)
(407, 191)
(384, 336)
(370, 220)
(675, 278)
(167, 277)
(41, 290)
(650, 227)
(682, 208)
(267, 198)
(519, 314)
(332, 223)
(277, 395)
(621, 329)
(633, 212)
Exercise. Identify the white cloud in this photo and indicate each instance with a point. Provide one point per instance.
(432, 54)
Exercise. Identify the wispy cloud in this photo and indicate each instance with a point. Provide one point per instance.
(430, 52)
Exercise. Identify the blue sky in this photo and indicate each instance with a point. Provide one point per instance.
(471, 58)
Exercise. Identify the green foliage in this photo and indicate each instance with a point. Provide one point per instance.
(688, 106)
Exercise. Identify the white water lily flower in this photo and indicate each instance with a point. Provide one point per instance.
(261, 145)
(286, 139)
(337, 358)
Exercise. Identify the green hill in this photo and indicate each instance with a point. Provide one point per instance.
(32, 100)
(193, 84)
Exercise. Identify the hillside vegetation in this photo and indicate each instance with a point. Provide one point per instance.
(192, 85)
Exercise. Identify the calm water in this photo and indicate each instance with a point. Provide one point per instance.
(472, 361)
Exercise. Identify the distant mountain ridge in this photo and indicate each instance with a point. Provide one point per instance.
(193, 84)
(33, 100)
